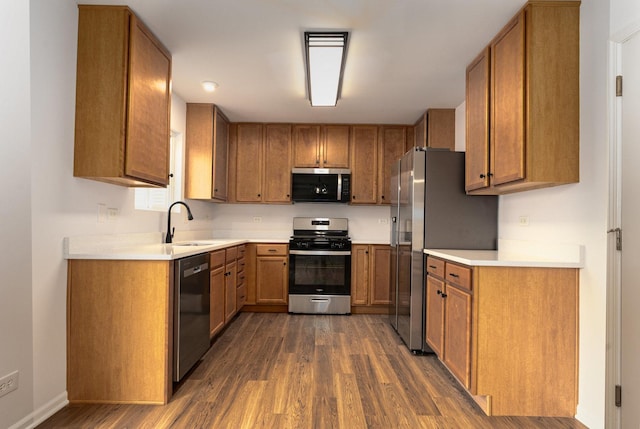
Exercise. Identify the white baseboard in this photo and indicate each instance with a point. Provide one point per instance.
(43, 413)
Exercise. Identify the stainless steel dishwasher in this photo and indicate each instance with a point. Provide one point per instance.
(191, 313)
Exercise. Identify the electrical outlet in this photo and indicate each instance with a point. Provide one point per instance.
(8, 383)
(524, 220)
(383, 220)
(257, 219)
(112, 213)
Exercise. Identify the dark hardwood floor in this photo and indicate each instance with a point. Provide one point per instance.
(271, 370)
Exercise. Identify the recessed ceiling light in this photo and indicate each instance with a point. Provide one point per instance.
(209, 86)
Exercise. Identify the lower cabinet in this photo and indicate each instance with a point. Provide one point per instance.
(217, 289)
(370, 278)
(119, 339)
(227, 285)
(508, 334)
(272, 274)
(266, 277)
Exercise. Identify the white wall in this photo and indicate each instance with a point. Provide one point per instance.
(63, 205)
(15, 211)
(237, 220)
(625, 16)
(578, 213)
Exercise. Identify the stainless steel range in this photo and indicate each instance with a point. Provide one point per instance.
(320, 266)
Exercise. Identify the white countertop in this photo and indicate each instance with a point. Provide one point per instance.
(514, 253)
(145, 246)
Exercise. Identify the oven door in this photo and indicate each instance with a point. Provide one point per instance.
(320, 272)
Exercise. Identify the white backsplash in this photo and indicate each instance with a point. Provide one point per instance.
(367, 224)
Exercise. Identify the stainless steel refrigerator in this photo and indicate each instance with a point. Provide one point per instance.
(429, 209)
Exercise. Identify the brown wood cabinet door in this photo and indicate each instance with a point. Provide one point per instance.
(420, 131)
(220, 154)
(306, 145)
(391, 149)
(272, 280)
(435, 314)
(335, 148)
(277, 165)
(364, 164)
(441, 128)
(507, 103)
(230, 291)
(457, 334)
(148, 132)
(380, 283)
(249, 163)
(217, 301)
(477, 123)
(198, 151)
(359, 274)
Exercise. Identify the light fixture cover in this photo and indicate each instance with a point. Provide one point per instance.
(326, 52)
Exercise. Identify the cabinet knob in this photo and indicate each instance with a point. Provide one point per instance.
(444, 295)
(259, 195)
(439, 292)
(353, 197)
(383, 197)
(284, 263)
(482, 176)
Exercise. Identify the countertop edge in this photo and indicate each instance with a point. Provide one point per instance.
(495, 258)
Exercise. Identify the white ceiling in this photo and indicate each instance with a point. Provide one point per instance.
(404, 56)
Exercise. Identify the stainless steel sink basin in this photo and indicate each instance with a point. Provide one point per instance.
(199, 243)
(191, 244)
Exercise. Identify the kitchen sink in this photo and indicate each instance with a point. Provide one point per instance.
(200, 243)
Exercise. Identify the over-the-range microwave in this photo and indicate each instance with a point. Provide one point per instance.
(320, 185)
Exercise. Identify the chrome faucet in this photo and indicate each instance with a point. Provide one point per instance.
(169, 237)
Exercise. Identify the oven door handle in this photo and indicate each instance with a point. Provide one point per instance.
(320, 252)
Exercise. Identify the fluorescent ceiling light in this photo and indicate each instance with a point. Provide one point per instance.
(326, 52)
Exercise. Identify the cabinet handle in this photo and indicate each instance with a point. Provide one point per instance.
(438, 292)
(273, 250)
(454, 275)
(444, 295)
(433, 266)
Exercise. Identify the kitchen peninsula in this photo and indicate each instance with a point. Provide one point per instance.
(120, 323)
(505, 324)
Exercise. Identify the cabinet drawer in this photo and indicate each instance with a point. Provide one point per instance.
(232, 254)
(216, 259)
(271, 249)
(241, 250)
(241, 264)
(458, 275)
(435, 266)
(241, 296)
(240, 278)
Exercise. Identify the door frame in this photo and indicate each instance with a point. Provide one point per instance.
(614, 267)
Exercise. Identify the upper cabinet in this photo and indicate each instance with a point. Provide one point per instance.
(524, 92)
(261, 163)
(391, 147)
(123, 99)
(206, 149)
(321, 146)
(364, 164)
(436, 128)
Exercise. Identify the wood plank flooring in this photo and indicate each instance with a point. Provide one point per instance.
(275, 370)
